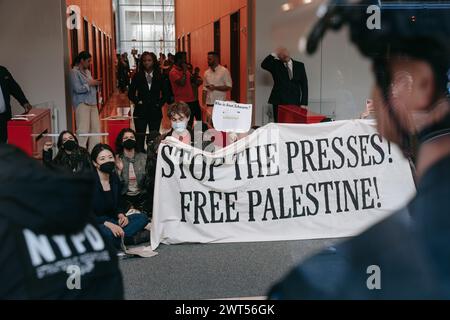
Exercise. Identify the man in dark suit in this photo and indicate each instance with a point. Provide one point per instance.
(8, 88)
(148, 94)
(290, 80)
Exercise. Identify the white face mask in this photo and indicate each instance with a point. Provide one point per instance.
(179, 127)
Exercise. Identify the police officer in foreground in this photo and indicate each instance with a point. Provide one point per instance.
(50, 247)
(406, 256)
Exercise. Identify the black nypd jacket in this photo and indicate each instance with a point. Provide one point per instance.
(49, 245)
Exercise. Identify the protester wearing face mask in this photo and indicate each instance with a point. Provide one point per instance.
(71, 157)
(179, 113)
(130, 166)
(108, 206)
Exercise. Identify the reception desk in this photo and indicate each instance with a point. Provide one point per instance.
(113, 127)
(297, 114)
(27, 131)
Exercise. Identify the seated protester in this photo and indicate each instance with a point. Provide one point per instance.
(179, 113)
(70, 157)
(130, 166)
(107, 200)
(47, 227)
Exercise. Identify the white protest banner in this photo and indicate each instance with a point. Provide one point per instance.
(283, 182)
(232, 116)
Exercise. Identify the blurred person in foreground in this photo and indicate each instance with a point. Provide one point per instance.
(406, 256)
(51, 248)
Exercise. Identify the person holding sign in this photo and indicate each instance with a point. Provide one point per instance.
(48, 233)
(290, 80)
(179, 115)
(406, 256)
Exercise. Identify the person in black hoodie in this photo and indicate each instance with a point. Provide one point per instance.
(108, 205)
(47, 231)
(71, 156)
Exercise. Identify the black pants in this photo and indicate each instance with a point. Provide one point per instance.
(196, 112)
(275, 113)
(151, 118)
(139, 202)
(3, 128)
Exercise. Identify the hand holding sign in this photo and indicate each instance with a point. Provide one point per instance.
(232, 117)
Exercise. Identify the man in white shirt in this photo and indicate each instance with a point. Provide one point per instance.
(217, 81)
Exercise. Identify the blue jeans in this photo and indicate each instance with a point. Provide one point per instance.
(136, 223)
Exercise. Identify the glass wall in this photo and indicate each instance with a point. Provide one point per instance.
(146, 25)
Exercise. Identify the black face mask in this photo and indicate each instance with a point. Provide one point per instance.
(70, 145)
(129, 144)
(108, 167)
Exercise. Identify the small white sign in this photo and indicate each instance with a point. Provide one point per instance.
(232, 116)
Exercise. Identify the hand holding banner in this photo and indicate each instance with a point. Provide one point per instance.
(283, 182)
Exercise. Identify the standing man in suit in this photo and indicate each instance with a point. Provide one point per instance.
(147, 93)
(290, 80)
(9, 87)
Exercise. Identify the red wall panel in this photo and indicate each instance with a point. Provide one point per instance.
(244, 53)
(197, 17)
(98, 13)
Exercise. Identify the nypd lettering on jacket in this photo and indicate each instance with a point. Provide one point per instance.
(54, 254)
